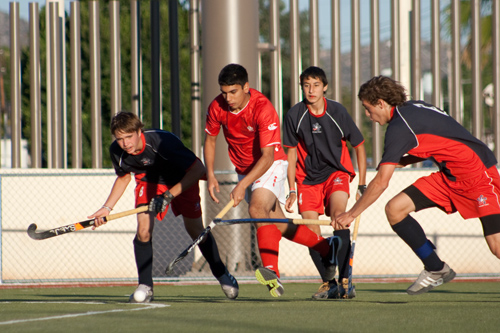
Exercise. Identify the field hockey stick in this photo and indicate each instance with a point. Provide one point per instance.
(200, 238)
(350, 286)
(289, 221)
(78, 225)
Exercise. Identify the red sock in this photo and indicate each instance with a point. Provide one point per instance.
(307, 237)
(268, 238)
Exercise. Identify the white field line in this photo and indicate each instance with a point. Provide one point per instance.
(147, 306)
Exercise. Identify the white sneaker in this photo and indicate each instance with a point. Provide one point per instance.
(428, 280)
(142, 294)
(229, 285)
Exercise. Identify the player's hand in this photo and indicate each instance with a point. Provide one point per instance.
(98, 217)
(238, 194)
(213, 186)
(290, 199)
(342, 221)
(159, 203)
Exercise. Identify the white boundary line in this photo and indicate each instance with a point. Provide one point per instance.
(147, 306)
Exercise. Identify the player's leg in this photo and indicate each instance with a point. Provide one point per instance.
(188, 205)
(436, 272)
(143, 251)
(229, 285)
(491, 230)
(264, 204)
(316, 257)
(337, 204)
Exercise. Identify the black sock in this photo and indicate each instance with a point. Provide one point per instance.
(211, 253)
(412, 233)
(316, 258)
(144, 261)
(344, 252)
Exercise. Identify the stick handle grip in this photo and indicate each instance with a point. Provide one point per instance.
(127, 213)
(225, 209)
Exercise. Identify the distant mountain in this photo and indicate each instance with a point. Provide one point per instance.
(5, 31)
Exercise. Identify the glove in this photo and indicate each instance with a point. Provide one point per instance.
(361, 189)
(159, 203)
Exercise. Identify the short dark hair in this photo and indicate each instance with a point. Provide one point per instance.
(315, 73)
(126, 122)
(385, 88)
(233, 74)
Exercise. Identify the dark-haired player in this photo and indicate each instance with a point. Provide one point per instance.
(166, 173)
(467, 180)
(252, 130)
(316, 131)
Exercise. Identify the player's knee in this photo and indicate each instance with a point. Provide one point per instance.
(143, 235)
(392, 213)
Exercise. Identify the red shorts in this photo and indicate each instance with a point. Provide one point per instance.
(186, 204)
(316, 197)
(474, 197)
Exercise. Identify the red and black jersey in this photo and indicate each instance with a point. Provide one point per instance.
(163, 160)
(254, 127)
(321, 141)
(420, 129)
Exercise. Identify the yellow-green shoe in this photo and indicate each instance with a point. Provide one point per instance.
(269, 278)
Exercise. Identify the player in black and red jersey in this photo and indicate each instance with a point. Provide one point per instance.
(467, 181)
(252, 130)
(166, 173)
(316, 132)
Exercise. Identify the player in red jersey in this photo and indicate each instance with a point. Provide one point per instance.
(252, 130)
(166, 173)
(467, 181)
(316, 132)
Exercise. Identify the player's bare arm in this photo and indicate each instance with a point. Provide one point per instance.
(119, 187)
(373, 191)
(262, 165)
(209, 155)
(292, 164)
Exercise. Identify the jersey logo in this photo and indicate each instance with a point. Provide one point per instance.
(316, 128)
(146, 161)
(300, 199)
(482, 201)
(250, 129)
(337, 181)
(272, 127)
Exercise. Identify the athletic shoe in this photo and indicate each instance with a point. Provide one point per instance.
(428, 280)
(330, 260)
(229, 285)
(142, 288)
(322, 291)
(269, 278)
(333, 292)
(345, 286)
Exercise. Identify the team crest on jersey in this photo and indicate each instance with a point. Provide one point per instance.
(146, 161)
(481, 201)
(250, 129)
(337, 181)
(316, 128)
(272, 127)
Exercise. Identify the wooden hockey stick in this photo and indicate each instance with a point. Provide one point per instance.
(78, 225)
(200, 238)
(289, 221)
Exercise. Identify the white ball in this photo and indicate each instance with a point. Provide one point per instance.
(140, 296)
